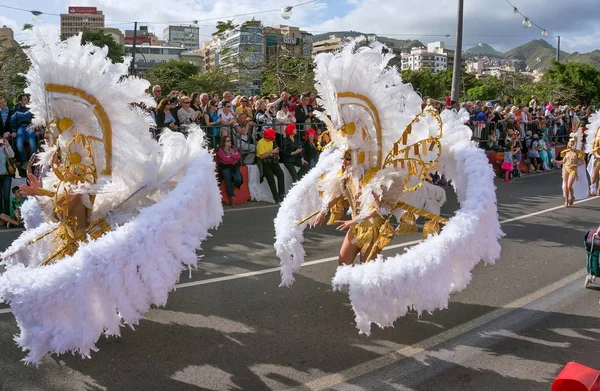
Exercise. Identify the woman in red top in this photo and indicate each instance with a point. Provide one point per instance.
(229, 166)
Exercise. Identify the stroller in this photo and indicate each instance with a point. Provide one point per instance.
(592, 249)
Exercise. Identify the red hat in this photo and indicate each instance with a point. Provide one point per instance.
(269, 134)
(290, 130)
(310, 131)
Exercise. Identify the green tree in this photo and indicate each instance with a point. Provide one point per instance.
(172, 75)
(573, 76)
(13, 62)
(214, 80)
(100, 38)
(483, 92)
(285, 71)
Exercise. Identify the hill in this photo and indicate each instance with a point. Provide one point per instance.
(536, 54)
(398, 43)
(484, 49)
(592, 58)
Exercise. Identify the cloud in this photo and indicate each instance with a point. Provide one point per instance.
(489, 22)
(494, 23)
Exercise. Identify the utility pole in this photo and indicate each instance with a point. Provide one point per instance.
(456, 72)
(558, 50)
(132, 71)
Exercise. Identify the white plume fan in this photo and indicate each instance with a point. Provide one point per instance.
(147, 192)
(424, 276)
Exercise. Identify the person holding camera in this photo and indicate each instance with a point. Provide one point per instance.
(268, 162)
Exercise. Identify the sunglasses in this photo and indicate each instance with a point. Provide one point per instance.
(244, 101)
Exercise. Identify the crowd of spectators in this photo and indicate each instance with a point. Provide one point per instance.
(272, 129)
(520, 133)
(265, 130)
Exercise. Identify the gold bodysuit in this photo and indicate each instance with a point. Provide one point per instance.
(570, 163)
(370, 234)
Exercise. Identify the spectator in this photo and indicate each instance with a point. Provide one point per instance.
(196, 103)
(227, 97)
(263, 116)
(268, 161)
(14, 219)
(283, 98)
(157, 93)
(6, 152)
(226, 115)
(533, 102)
(244, 108)
(533, 152)
(480, 122)
(545, 153)
(311, 152)
(204, 102)
(186, 114)
(304, 112)
(213, 123)
(517, 152)
(292, 155)
(448, 100)
(214, 95)
(229, 167)
(5, 114)
(175, 106)
(164, 117)
(20, 123)
(284, 116)
(507, 164)
(243, 138)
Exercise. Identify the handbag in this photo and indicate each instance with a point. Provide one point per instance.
(11, 164)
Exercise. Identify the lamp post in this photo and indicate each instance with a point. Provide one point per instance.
(457, 55)
(133, 49)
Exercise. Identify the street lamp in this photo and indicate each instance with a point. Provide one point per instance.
(457, 54)
(36, 16)
(286, 12)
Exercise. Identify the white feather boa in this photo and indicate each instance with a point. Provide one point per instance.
(425, 275)
(114, 280)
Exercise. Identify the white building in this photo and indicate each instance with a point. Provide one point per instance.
(243, 51)
(422, 58)
(147, 56)
(187, 37)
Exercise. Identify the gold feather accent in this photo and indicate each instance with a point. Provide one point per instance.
(430, 228)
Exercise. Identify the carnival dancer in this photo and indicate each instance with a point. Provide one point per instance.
(572, 159)
(382, 150)
(592, 147)
(122, 217)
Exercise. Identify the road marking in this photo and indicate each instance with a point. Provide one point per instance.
(330, 259)
(396, 356)
(250, 208)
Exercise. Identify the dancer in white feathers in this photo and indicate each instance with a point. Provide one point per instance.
(382, 149)
(592, 147)
(121, 212)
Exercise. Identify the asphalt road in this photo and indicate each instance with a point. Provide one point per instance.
(231, 327)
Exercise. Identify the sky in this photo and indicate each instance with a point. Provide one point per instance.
(490, 21)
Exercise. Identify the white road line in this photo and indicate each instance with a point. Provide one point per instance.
(330, 259)
(431, 342)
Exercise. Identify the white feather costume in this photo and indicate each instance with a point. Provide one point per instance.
(592, 143)
(146, 195)
(378, 119)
